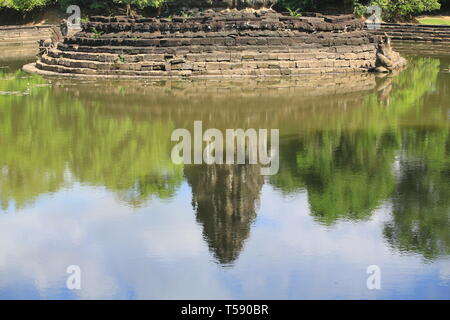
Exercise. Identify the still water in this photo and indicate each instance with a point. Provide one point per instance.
(86, 179)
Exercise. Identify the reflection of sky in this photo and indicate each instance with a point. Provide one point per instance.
(158, 252)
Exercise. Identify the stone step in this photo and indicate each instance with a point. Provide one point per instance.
(433, 39)
(414, 26)
(220, 41)
(219, 56)
(254, 23)
(137, 35)
(187, 73)
(127, 50)
(411, 32)
(309, 48)
(6, 37)
(408, 32)
(99, 57)
(13, 44)
(285, 67)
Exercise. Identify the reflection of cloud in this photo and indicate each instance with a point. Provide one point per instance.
(118, 250)
(445, 272)
(311, 262)
(159, 252)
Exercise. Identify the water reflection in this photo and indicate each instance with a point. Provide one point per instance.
(351, 145)
(225, 198)
(347, 173)
(421, 203)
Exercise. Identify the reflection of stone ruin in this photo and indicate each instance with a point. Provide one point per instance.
(225, 198)
(208, 43)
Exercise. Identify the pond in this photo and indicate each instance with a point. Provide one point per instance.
(87, 180)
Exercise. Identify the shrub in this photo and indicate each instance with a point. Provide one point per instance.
(91, 4)
(301, 5)
(141, 4)
(28, 5)
(24, 5)
(393, 10)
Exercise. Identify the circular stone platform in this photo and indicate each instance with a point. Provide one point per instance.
(229, 43)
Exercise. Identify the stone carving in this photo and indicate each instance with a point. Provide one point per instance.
(387, 59)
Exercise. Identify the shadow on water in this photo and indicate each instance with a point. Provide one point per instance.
(353, 143)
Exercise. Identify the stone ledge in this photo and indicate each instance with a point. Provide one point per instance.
(414, 32)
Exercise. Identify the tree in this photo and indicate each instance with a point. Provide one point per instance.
(141, 4)
(24, 5)
(402, 9)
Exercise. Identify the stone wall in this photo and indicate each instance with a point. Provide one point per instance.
(231, 44)
(414, 32)
(19, 41)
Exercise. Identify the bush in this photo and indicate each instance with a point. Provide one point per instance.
(141, 4)
(394, 10)
(29, 5)
(83, 4)
(24, 5)
(300, 5)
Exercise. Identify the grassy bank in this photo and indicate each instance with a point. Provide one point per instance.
(437, 20)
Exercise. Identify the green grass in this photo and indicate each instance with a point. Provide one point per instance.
(435, 21)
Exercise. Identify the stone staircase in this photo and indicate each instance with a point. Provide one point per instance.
(415, 32)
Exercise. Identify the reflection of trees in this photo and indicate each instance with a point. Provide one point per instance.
(44, 137)
(347, 174)
(421, 205)
(347, 168)
(421, 202)
(338, 145)
(225, 198)
(28, 167)
(126, 155)
(116, 134)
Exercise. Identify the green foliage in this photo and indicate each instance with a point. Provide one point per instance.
(96, 34)
(121, 59)
(186, 14)
(28, 5)
(24, 5)
(300, 5)
(91, 4)
(359, 9)
(393, 10)
(294, 13)
(141, 4)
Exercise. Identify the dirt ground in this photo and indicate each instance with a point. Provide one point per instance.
(447, 18)
(48, 16)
